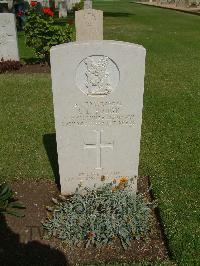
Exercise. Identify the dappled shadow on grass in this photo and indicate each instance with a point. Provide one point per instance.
(34, 253)
(117, 14)
(49, 141)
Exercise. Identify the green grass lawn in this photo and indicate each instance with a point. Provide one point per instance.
(170, 151)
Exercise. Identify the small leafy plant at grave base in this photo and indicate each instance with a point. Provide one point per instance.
(7, 203)
(9, 65)
(41, 32)
(100, 215)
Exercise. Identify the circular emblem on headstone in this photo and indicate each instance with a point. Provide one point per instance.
(89, 18)
(97, 75)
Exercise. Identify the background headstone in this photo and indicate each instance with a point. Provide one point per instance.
(62, 9)
(98, 99)
(45, 3)
(69, 5)
(89, 24)
(182, 3)
(4, 6)
(88, 4)
(10, 4)
(8, 37)
(56, 5)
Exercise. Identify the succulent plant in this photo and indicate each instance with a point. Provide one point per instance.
(7, 203)
(98, 216)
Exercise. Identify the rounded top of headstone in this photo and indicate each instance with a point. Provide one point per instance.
(100, 43)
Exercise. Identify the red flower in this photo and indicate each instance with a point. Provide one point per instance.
(48, 11)
(33, 3)
(91, 235)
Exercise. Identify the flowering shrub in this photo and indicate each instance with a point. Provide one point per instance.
(41, 32)
(100, 215)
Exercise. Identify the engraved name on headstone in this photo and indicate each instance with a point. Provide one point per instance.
(8, 37)
(98, 99)
(89, 25)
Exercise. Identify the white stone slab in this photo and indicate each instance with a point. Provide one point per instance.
(8, 37)
(98, 99)
(88, 4)
(89, 24)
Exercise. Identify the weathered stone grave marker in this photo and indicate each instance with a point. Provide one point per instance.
(62, 8)
(87, 4)
(8, 37)
(45, 3)
(182, 3)
(89, 25)
(98, 99)
(69, 5)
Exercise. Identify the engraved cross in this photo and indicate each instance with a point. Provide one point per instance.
(98, 146)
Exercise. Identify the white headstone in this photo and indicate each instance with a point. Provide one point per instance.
(89, 24)
(88, 4)
(56, 5)
(45, 3)
(69, 5)
(98, 99)
(8, 37)
(10, 4)
(62, 9)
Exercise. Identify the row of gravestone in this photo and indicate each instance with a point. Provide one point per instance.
(98, 99)
(66, 5)
(177, 3)
(63, 5)
(45, 3)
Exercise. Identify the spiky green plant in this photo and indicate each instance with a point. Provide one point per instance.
(98, 216)
(7, 203)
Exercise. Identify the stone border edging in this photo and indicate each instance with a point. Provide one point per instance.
(169, 8)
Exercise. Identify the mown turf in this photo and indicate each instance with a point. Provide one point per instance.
(26, 53)
(26, 116)
(170, 132)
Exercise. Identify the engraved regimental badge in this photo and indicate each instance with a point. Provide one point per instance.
(97, 76)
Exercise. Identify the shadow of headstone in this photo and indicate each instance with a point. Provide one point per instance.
(49, 141)
(34, 253)
(117, 14)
